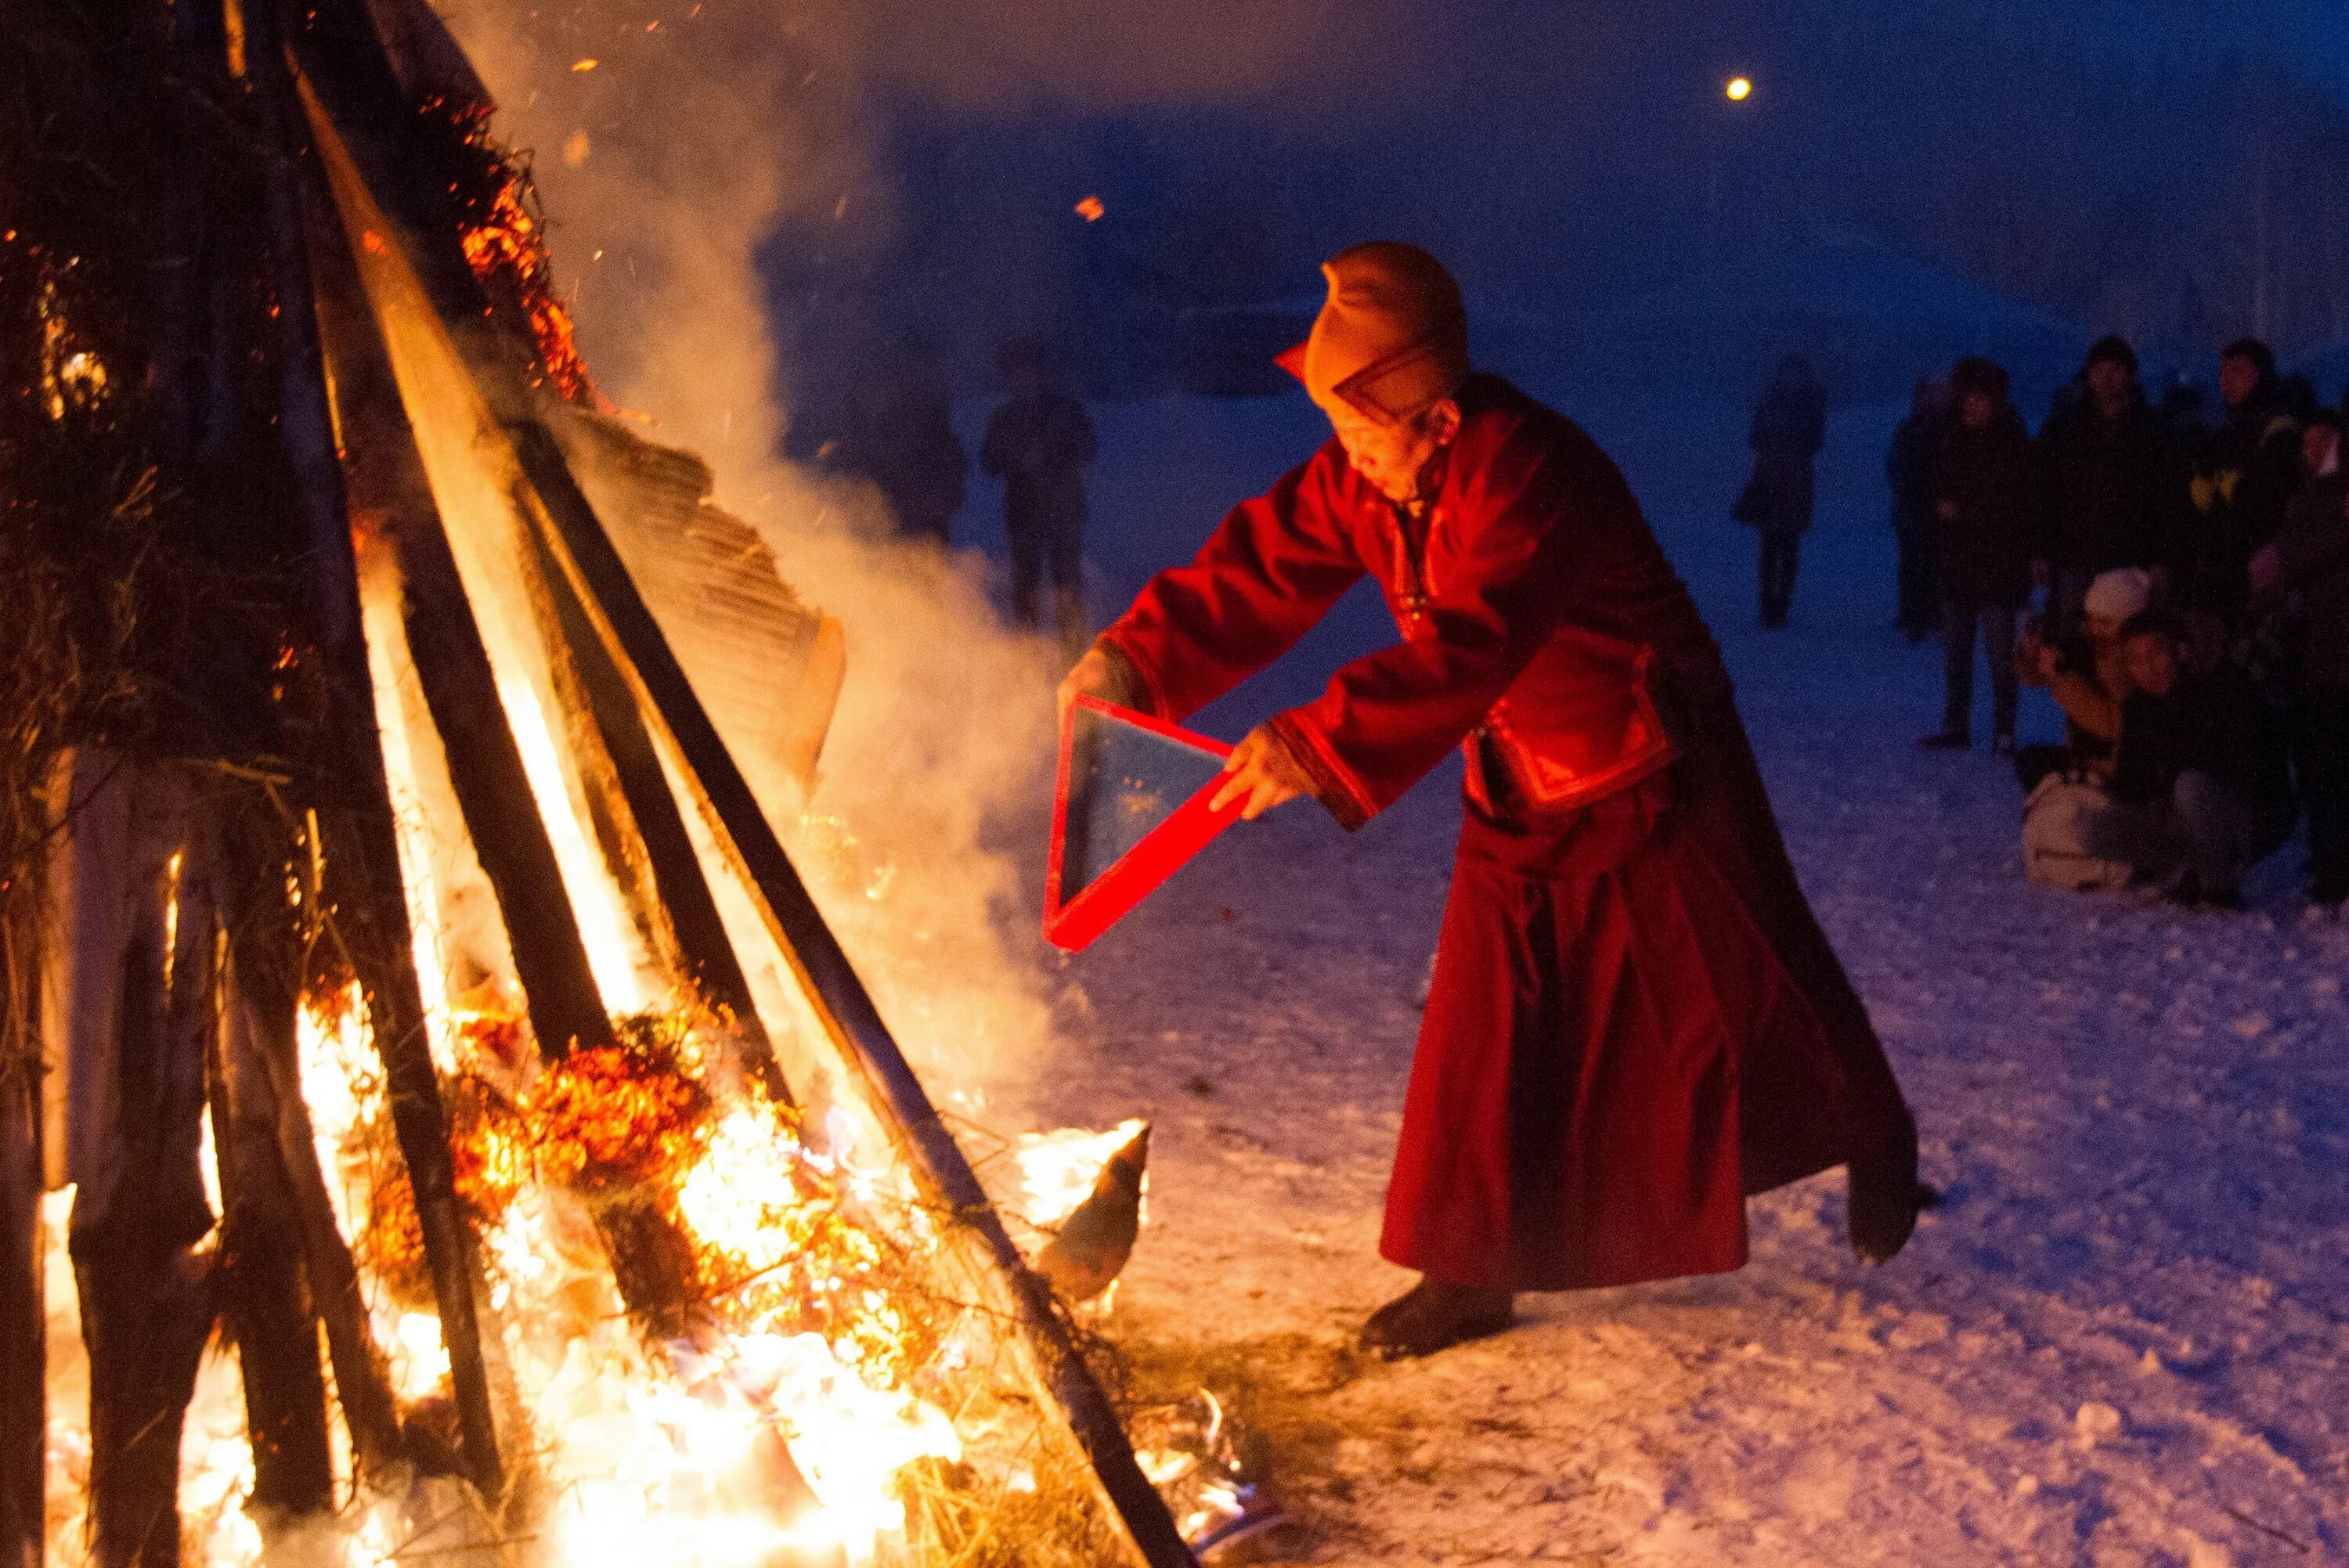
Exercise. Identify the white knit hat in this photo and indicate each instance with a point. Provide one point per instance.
(2117, 594)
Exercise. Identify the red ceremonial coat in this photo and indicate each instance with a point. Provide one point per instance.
(1634, 1021)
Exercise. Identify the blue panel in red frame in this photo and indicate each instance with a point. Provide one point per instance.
(1130, 808)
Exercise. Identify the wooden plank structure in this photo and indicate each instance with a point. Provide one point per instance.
(351, 208)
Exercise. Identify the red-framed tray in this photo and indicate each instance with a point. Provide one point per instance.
(1129, 807)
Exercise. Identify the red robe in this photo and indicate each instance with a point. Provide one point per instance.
(1635, 1019)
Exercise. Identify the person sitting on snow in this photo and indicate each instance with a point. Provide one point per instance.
(2087, 675)
(1635, 1020)
(2187, 803)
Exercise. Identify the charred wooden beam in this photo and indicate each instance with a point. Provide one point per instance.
(259, 1279)
(23, 1328)
(139, 1208)
(264, 1000)
(704, 950)
(364, 841)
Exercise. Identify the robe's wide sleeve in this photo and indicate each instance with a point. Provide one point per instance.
(1272, 568)
(1390, 717)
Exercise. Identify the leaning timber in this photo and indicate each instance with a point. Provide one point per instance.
(360, 838)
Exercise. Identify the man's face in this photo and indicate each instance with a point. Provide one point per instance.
(2108, 383)
(2318, 446)
(2152, 664)
(1392, 457)
(1977, 410)
(2238, 377)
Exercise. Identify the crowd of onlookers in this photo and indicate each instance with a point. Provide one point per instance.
(2195, 621)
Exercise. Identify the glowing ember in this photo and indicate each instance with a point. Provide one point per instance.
(506, 247)
(1092, 210)
(73, 378)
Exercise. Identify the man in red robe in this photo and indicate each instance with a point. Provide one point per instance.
(1635, 1021)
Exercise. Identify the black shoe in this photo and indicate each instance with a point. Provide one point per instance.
(1885, 1199)
(1432, 1317)
(2003, 745)
(1947, 740)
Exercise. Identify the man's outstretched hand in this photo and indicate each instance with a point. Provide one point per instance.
(1101, 674)
(1261, 771)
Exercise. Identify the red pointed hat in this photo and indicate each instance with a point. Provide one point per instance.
(1392, 337)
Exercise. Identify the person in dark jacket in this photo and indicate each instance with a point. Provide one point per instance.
(2103, 455)
(1039, 443)
(1790, 426)
(900, 435)
(2243, 477)
(2309, 561)
(1909, 471)
(2192, 800)
(1988, 499)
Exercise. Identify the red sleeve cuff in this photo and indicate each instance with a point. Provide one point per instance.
(1334, 784)
(1150, 697)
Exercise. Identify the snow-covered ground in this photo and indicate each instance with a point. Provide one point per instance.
(2122, 1340)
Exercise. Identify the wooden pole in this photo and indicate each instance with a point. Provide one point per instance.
(259, 1276)
(364, 844)
(140, 1210)
(266, 999)
(24, 1327)
(703, 949)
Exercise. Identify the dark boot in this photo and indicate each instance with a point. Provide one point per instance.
(1885, 1199)
(1947, 740)
(1432, 1317)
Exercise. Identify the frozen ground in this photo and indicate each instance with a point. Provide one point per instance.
(2125, 1337)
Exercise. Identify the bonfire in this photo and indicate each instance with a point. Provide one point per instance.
(395, 877)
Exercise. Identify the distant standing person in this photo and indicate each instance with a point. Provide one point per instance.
(2105, 459)
(1909, 470)
(2244, 477)
(1988, 499)
(1790, 426)
(1039, 443)
(901, 435)
(2310, 559)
